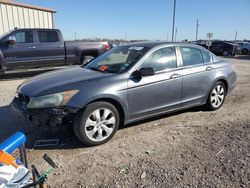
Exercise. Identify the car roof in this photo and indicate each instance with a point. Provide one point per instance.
(152, 44)
(28, 29)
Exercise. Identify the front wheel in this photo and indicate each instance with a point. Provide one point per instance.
(244, 51)
(216, 96)
(97, 123)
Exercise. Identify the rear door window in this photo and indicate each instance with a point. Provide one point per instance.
(48, 36)
(207, 57)
(191, 56)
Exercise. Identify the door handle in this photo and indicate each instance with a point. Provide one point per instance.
(32, 47)
(60, 46)
(209, 68)
(175, 76)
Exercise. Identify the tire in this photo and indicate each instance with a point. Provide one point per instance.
(244, 51)
(1, 71)
(216, 96)
(85, 60)
(225, 53)
(92, 128)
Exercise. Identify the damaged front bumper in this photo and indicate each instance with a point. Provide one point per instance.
(45, 117)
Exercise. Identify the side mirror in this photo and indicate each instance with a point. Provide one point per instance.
(146, 71)
(11, 41)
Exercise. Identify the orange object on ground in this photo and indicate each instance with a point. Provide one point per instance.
(7, 159)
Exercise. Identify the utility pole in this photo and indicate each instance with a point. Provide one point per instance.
(235, 38)
(75, 35)
(175, 34)
(173, 21)
(197, 29)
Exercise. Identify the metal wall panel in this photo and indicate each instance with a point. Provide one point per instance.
(50, 20)
(12, 16)
(36, 18)
(5, 18)
(45, 18)
(40, 13)
(21, 17)
(31, 17)
(1, 21)
(26, 17)
(15, 16)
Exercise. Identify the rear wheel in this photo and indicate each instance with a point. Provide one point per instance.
(85, 60)
(244, 51)
(97, 123)
(216, 96)
(225, 53)
(1, 70)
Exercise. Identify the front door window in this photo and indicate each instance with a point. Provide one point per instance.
(161, 59)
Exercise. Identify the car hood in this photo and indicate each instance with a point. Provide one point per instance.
(44, 83)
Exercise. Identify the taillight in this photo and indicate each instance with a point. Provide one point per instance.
(107, 47)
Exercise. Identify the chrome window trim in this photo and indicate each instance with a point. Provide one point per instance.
(178, 57)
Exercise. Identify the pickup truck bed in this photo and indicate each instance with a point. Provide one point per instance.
(38, 48)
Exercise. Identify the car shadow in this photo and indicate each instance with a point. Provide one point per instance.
(147, 120)
(10, 124)
(240, 57)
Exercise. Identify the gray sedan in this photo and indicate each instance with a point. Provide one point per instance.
(124, 85)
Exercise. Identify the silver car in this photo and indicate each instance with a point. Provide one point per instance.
(126, 84)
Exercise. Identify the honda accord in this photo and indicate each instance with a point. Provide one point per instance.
(124, 85)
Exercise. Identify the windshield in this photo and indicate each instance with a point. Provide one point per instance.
(5, 34)
(118, 59)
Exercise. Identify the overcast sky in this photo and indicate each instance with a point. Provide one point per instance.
(149, 19)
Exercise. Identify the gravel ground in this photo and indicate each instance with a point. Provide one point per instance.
(192, 148)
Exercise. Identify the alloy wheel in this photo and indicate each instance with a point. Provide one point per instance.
(217, 96)
(100, 124)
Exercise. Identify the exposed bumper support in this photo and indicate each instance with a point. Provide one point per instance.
(47, 117)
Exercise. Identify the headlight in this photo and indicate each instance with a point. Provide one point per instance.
(53, 100)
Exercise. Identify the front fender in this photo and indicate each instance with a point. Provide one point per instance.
(80, 104)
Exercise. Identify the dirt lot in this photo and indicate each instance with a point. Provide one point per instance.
(192, 148)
